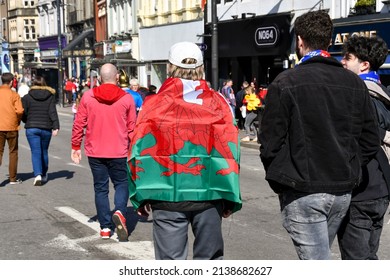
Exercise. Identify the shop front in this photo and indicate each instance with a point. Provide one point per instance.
(155, 43)
(370, 26)
(78, 53)
(251, 49)
(45, 61)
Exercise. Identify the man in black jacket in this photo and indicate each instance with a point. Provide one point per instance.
(361, 229)
(317, 130)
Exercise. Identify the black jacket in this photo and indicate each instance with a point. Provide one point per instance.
(40, 108)
(376, 175)
(318, 128)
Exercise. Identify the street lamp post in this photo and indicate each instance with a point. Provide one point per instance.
(214, 45)
(59, 56)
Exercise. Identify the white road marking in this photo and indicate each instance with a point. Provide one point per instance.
(57, 158)
(80, 217)
(63, 242)
(139, 250)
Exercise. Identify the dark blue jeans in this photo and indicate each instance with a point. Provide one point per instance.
(104, 169)
(361, 229)
(39, 141)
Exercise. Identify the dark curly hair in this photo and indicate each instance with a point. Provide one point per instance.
(315, 29)
(371, 49)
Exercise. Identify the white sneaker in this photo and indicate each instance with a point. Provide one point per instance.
(17, 182)
(246, 139)
(254, 139)
(38, 180)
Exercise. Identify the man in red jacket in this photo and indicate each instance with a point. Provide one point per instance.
(108, 114)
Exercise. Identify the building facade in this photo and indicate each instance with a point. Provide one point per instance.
(117, 35)
(80, 18)
(255, 38)
(23, 30)
(162, 24)
(139, 34)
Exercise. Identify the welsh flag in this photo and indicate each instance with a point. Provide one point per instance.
(185, 147)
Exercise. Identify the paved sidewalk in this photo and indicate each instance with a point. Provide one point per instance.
(250, 144)
(64, 110)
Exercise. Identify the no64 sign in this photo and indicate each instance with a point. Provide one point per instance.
(266, 36)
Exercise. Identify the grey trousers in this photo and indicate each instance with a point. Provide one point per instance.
(170, 234)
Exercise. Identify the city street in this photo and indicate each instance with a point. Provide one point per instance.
(57, 221)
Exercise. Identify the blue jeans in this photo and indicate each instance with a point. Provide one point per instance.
(312, 221)
(361, 229)
(39, 141)
(170, 234)
(104, 169)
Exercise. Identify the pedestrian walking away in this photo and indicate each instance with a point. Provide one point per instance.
(252, 103)
(41, 123)
(124, 84)
(11, 112)
(317, 130)
(174, 163)
(360, 232)
(106, 111)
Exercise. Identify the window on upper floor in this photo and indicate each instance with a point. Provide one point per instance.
(33, 33)
(26, 33)
(29, 29)
(28, 3)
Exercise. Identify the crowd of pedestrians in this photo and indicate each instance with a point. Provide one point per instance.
(323, 128)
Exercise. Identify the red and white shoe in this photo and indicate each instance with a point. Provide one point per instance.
(120, 223)
(105, 233)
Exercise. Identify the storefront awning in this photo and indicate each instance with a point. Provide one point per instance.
(77, 46)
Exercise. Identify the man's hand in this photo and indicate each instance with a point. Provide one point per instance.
(76, 156)
(144, 210)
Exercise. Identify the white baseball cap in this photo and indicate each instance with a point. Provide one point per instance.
(183, 50)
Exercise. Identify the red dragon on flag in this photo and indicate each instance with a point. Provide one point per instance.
(185, 140)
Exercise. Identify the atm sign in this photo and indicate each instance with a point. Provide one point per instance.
(266, 36)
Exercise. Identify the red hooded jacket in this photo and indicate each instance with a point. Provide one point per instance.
(108, 116)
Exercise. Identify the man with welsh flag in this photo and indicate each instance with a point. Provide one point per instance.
(184, 161)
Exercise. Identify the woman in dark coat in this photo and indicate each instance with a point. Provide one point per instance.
(41, 122)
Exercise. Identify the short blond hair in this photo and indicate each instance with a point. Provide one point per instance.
(186, 73)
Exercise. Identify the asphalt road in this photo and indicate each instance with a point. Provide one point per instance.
(57, 221)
